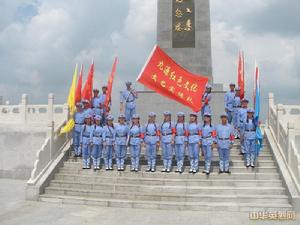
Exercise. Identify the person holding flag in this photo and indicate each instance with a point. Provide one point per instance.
(206, 98)
(128, 97)
(236, 108)
(79, 121)
(229, 102)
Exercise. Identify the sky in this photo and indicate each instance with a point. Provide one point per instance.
(42, 40)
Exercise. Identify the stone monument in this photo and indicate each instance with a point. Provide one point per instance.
(183, 32)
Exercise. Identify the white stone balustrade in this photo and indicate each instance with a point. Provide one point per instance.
(284, 124)
(33, 114)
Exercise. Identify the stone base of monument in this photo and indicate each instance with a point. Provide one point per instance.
(149, 101)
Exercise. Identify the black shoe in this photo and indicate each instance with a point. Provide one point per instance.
(248, 166)
(242, 153)
(207, 173)
(228, 171)
(148, 170)
(252, 166)
(220, 171)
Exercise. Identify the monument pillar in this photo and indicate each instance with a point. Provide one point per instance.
(183, 32)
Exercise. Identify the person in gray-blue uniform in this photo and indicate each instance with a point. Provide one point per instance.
(121, 138)
(79, 121)
(208, 135)
(109, 138)
(225, 139)
(206, 99)
(102, 100)
(167, 141)
(135, 140)
(96, 103)
(242, 116)
(193, 142)
(180, 141)
(152, 133)
(229, 102)
(97, 144)
(128, 97)
(86, 107)
(236, 108)
(249, 131)
(86, 141)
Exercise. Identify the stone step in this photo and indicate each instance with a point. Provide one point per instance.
(167, 189)
(272, 169)
(260, 163)
(234, 175)
(115, 193)
(90, 180)
(167, 205)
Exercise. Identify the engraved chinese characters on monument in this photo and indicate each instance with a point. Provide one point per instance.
(183, 21)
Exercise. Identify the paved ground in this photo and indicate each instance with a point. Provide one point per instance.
(15, 210)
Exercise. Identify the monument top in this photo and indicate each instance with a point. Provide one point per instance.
(183, 31)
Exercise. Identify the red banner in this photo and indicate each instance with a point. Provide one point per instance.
(110, 83)
(241, 75)
(79, 86)
(163, 75)
(88, 87)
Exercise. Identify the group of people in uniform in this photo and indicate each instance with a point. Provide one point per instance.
(97, 135)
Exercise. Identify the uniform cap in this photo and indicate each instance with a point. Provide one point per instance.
(167, 113)
(237, 88)
(96, 90)
(128, 83)
(250, 110)
(232, 84)
(193, 114)
(110, 117)
(135, 116)
(121, 116)
(208, 86)
(151, 114)
(245, 100)
(224, 115)
(79, 104)
(207, 114)
(87, 116)
(180, 114)
(97, 117)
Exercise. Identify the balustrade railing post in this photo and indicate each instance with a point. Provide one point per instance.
(50, 108)
(291, 134)
(279, 114)
(271, 104)
(50, 135)
(23, 110)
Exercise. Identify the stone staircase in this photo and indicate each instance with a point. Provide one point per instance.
(245, 189)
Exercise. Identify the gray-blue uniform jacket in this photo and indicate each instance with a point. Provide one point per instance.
(109, 135)
(79, 120)
(167, 131)
(225, 135)
(181, 130)
(98, 135)
(249, 129)
(151, 131)
(136, 135)
(129, 98)
(86, 134)
(193, 130)
(229, 100)
(121, 134)
(208, 134)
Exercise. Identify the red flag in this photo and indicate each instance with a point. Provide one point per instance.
(88, 87)
(163, 75)
(79, 87)
(241, 74)
(110, 83)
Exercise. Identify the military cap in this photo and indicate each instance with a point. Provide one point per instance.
(151, 114)
(180, 114)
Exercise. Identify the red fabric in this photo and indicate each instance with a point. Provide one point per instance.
(231, 137)
(110, 83)
(142, 135)
(241, 75)
(88, 87)
(79, 87)
(174, 130)
(200, 133)
(186, 133)
(163, 75)
(214, 133)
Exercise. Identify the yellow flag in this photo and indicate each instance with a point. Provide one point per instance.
(71, 103)
(71, 98)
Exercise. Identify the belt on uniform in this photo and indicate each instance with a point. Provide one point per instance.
(151, 135)
(79, 123)
(242, 121)
(167, 134)
(120, 136)
(86, 136)
(206, 137)
(236, 106)
(223, 139)
(177, 135)
(193, 134)
(250, 130)
(130, 101)
(135, 136)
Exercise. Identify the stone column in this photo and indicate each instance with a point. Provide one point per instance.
(50, 135)
(279, 114)
(271, 104)
(23, 109)
(291, 137)
(50, 108)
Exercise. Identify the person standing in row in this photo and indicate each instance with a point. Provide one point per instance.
(104, 110)
(109, 138)
(249, 131)
(208, 135)
(206, 99)
(121, 138)
(229, 102)
(96, 103)
(136, 137)
(97, 143)
(180, 141)
(152, 134)
(242, 116)
(167, 140)
(193, 142)
(225, 139)
(128, 97)
(236, 108)
(79, 121)
(86, 141)
(86, 108)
